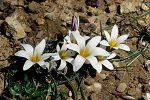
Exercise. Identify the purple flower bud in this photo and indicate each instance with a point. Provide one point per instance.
(75, 23)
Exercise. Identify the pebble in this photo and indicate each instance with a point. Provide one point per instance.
(34, 7)
(147, 65)
(145, 7)
(17, 26)
(94, 87)
(102, 76)
(132, 91)
(97, 86)
(130, 6)
(40, 21)
(40, 34)
(120, 74)
(121, 87)
(116, 64)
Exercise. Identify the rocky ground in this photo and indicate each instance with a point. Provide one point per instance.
(28, 21)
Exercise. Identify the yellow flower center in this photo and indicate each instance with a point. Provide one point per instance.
(100, 58)
(113, 43)
(84, 52)
(35, 58)
(63, 54)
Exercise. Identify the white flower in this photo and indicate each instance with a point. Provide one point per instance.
(34, 56)
(62, 54)
(114, 41)
(86, 52)
(104, 60)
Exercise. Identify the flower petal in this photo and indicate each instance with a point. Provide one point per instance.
(107, 35)
(78, 62)
(107, 64)
(23, 53)
(45, 56)
(100, 52)
(73, 47)
(124, 47)
(27, 65)
(41, 63)
(80, 40)
(69, 60)
(58, 47)
(56, 57)
(111, 56)
(93, 42)
(67, 39)
(114, 33)
(99, 67)
(28, 48)
(94, 63)
(64, 47)
(62, 65)
(40, 47)
(46, 65)
(86, 37)
(104, 42)
(122, 38)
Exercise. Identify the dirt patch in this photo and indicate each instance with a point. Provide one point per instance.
(34, 20)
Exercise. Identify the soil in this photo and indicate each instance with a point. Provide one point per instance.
(29, 21)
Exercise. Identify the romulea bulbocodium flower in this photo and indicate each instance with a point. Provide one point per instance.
(63, 55)
(34, 55)
(113, 41)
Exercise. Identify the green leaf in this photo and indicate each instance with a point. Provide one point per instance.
(29, 87)
(13, 92)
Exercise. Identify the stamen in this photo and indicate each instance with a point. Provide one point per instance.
(84, 52)
(100, 58)
(113, 43)
(63, 54)
(35, 58)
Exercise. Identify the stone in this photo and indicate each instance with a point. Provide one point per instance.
(132, 91)
(40, 21)
(97, 86)
(102, 76)
(34, 7)
(121, 87)
(16, 2)
(120, 74)
(144, 20)
(147, 65)
(5, 51)
(2, 83)
(40, 34)
(130, 6)
(145, 7)
(116, 64)
(15, 27)
(92, 11)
